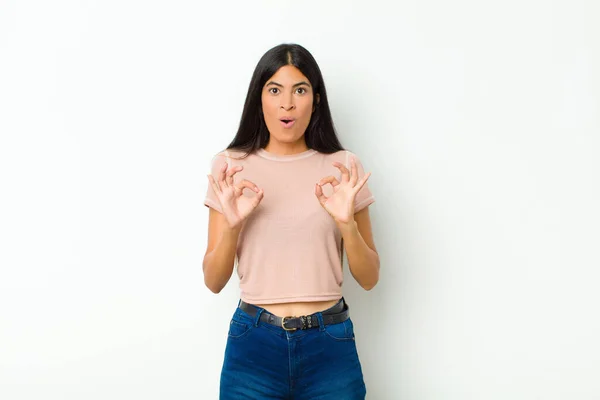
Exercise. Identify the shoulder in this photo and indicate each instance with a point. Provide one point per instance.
(343, 156)
(233, 153)
(229, 156)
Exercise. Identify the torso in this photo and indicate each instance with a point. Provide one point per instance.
(297, 309)
(287, 218)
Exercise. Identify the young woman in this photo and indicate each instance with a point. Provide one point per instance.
(291, 335)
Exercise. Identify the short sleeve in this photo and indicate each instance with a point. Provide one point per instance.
(364, 197)
(211, 200)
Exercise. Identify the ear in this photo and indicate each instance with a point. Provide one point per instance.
(317, 100)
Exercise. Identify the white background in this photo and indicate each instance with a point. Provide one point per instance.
(478, 121)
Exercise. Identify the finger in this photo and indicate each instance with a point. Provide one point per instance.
(221, 179)
(319, 194)
(362, 182)
(246, 184)
(345, 172)
(214, 184)
(354, 172)
(252, 185)
(231, 173)
(259, 196)
(329, 179)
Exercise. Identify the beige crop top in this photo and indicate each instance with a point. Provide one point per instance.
(289, 248)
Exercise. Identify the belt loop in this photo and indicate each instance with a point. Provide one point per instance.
(259, 310)
(320, 319)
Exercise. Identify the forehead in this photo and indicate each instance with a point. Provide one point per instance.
(288, 74)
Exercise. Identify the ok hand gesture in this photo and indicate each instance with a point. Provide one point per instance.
(236, 207)
(340, 205)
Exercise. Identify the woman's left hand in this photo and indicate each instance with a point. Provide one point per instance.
(340, 205)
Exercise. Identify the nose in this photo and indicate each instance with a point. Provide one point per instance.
(288, 104)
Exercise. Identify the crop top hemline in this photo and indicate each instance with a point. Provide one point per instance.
(292, 299)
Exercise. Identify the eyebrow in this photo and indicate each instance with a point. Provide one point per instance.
(280, 85)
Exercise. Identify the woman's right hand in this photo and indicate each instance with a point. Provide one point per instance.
(235, 206)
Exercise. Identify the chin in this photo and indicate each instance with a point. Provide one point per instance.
(287, 138)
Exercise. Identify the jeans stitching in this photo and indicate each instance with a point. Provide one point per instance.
(346, 331)
(247, 327)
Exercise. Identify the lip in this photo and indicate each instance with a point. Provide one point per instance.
(289, 124)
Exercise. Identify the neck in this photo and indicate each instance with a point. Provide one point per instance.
(285, 149)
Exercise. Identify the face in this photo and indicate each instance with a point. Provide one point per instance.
(287, 104)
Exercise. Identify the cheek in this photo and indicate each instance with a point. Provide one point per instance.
(306, 110)
(268, 109)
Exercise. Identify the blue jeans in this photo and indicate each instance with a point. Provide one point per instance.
(263, 361)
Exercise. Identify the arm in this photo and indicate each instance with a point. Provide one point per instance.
(363, 258)
(220, 253)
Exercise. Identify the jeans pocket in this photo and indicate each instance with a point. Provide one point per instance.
(238, 329)
(340, 331)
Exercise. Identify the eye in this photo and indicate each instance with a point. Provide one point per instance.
(271, 90)
(303, 90)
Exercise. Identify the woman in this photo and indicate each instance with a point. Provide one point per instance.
(291, 335)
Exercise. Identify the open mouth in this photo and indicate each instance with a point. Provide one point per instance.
(287, 122)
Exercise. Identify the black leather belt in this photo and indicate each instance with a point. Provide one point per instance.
(334, 315)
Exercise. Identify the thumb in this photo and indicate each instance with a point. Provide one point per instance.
(319, 193)
(258, 198)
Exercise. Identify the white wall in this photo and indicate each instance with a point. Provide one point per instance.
(478, 120)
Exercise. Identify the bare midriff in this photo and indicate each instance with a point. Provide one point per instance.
(297, 309)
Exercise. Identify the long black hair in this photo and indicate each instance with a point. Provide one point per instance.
(253, 134)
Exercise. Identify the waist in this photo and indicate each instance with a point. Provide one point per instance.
(337, 313)
(297, 307)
